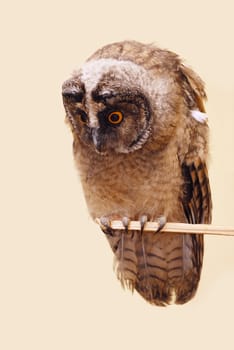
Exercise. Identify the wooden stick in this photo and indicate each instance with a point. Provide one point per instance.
(172, 227)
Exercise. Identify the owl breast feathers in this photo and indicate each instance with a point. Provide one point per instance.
(140, 144)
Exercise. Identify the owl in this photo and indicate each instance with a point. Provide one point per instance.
(140, 143)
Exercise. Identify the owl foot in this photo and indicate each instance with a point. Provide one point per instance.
(143, 221)
(161, 222)
(125, 221)
(106, 225)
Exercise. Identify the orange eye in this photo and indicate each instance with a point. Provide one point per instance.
(115, 118)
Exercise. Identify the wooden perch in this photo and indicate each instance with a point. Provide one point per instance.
(172, 227)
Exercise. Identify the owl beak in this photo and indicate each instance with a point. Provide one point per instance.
(96, 138)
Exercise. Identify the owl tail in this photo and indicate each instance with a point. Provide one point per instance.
(161, 267)
(125, 262)
(174, 267)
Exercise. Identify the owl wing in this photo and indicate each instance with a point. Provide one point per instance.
(196, 198)
(196, 190)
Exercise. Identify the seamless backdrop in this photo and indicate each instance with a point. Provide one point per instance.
(57, 287)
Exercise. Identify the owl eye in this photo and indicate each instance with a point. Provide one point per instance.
(115, 117)
(83, 116)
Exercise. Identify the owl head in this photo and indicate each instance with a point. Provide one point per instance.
(129, 95)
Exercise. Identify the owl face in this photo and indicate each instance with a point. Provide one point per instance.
(111, 106)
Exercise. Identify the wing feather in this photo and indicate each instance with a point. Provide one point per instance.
(197, 208)
(196, 199)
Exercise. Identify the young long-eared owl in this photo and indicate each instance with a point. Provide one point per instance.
(140, 144)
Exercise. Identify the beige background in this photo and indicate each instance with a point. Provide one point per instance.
(57, 287)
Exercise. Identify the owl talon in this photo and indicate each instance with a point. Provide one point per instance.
(106, 225)
(143, 221)
(161, 223)
(125, 222)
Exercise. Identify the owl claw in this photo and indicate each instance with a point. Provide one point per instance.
(125, 222)
(106, 225)
(143, 221)
(161, 223)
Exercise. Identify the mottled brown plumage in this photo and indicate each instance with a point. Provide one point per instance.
(140, 144)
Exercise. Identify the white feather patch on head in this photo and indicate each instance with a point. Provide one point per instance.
(92, 71)
(199, 116)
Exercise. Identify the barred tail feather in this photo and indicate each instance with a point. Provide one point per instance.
(125, 264)
(159, 266)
